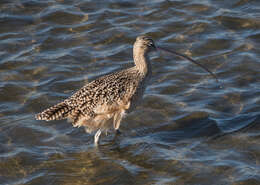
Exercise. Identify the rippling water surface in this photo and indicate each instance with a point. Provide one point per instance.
(186, 131)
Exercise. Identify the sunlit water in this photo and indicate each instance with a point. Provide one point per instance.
(188, 130)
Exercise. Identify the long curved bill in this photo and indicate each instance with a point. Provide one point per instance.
(189, 59)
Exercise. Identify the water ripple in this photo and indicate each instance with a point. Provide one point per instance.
(186, 131)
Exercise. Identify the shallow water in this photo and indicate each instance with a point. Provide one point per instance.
(188, 130)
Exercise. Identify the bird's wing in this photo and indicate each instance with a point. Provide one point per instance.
(106, 93)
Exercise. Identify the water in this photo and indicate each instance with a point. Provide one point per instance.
(188, 130)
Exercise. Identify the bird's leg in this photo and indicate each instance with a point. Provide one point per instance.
(116, 125)
(117, 119)
(96, 137)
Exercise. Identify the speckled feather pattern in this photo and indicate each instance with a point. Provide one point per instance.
(108, 97)
(104, 95)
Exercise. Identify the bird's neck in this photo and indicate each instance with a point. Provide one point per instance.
(142, 62)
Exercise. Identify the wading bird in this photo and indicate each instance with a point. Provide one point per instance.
(100, 105)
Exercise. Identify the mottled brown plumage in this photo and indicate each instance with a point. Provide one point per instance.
(108, 97)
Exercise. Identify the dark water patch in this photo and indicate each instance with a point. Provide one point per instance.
(237, 23)
(15, 22)
(64, 16)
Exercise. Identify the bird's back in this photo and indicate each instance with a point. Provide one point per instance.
(106, 90)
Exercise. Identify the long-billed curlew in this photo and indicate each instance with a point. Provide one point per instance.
(101, 104)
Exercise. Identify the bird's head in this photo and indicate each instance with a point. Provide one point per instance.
(144, 43)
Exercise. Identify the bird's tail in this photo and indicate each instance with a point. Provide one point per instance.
(56, 112)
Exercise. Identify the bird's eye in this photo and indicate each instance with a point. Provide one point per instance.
(151, 44)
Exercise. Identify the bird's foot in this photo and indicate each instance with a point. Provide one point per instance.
(118, 132)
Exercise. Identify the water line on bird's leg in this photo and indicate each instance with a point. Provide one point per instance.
(189, 59)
